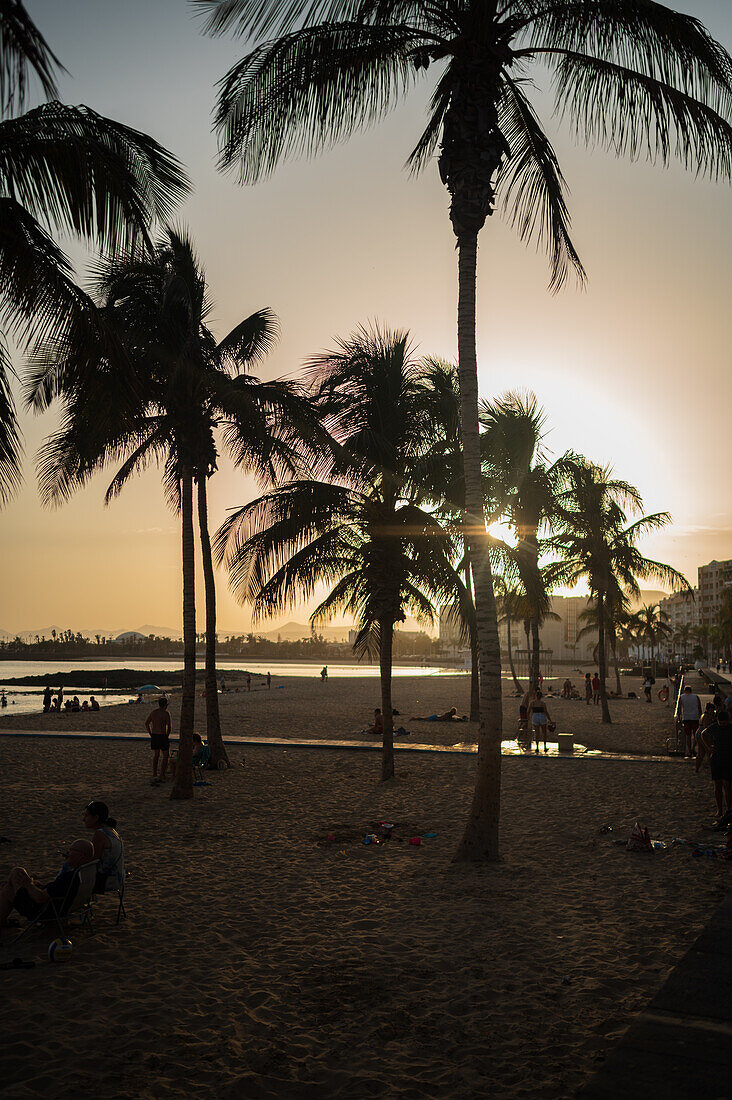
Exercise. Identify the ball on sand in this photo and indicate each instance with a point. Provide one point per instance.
(59, 951)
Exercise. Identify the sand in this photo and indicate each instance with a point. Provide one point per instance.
(261, 960)
(304, 707)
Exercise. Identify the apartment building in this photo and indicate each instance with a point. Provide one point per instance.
(558, 636)
(714, 579)
(681, 609)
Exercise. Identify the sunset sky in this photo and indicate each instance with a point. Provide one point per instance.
(633, 371)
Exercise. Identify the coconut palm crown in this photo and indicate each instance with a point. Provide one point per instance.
(63, 170)
(630, 75)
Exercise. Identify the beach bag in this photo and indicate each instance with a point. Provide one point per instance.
(640, 839)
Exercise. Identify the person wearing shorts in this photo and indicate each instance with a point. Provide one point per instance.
(539, 719)
(158, 726)
(718, 741)
(690, 707)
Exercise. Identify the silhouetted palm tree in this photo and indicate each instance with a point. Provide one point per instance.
(595, 545)
(180, 385)
(631, 75)
(654, 628)
(525, 486)
(361, 529)
(511, 608)
(62, 170)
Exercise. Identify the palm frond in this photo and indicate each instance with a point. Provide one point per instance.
(531, 187)
(11, 448)
(632, 114)
(252, 339)
(641, 35)
(23, 51)
(309, 90)
(81, 173)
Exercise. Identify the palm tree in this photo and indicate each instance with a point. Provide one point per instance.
(361, 528)
(524, 488)
(595, 544)
(703, 635)
(616, 615)
(511, 608)
(654, 628)
(682, 637)
(63, 170)
(179, 385)
(632, 76)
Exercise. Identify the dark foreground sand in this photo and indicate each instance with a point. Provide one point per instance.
(258, 962)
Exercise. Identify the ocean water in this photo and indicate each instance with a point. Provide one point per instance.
(27, 700)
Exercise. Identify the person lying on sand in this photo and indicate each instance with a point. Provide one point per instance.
(450, 715)
(21, 893)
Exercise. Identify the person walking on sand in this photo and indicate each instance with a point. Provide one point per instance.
(47, 700)
(269, 681)
(648, 688)
(249, 681)
(691, 709)
(324, 674)
(588, 688)
(595, 689)
(158, 726)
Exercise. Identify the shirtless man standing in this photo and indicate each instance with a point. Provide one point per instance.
(158, 726)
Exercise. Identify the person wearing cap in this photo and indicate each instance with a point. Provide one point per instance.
(108, 847)
(29, 899)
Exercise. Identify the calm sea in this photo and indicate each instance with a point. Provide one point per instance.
(26, 700)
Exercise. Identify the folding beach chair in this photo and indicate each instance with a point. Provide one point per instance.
(56, 910)
(119, 893)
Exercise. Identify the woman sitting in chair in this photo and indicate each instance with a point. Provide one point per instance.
(201, 755)
(108, 847)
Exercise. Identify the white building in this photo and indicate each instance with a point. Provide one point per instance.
(681, 609)
(714, 579)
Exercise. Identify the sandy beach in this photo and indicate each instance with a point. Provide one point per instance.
(303, 707)
(261, 959)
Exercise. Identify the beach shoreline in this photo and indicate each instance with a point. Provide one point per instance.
(341, 708)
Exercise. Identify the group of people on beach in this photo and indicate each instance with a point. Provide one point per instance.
(56, 702)
(34, 901)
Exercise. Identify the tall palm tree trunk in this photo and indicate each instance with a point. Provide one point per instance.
(474, 677)
(618, 684)
(509, 646)
(183, 784)
(213, 721)
(601, 659)
(480, 840)
(386, 645)
(535, 655)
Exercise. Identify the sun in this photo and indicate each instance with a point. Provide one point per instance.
(503, 532)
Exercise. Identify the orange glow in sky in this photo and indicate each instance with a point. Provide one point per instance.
(633, 371)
